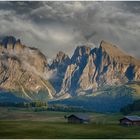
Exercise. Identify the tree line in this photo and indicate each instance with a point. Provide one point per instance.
(38, 106)
(24, 104)
(135, 106)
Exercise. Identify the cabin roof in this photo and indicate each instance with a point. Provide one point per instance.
(133, 118)
(80, 116)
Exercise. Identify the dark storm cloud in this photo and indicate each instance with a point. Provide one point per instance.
(54, 26)
(133, 7)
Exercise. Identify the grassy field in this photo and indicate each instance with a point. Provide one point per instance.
(21, 123)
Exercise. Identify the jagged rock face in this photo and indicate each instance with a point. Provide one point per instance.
(77, 71)
(23, 69)
(59, 66)
(26, 70)
(94, 68)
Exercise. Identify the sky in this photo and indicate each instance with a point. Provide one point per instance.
(61, 26)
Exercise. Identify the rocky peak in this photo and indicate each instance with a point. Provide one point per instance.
(8, 40)
(23, 69)
(82, 50)
(111, 49)
(60, 64)
(113, 52)
(81, 53)
(32, 57)
(107, 45)
(10, 45)
(61, 59)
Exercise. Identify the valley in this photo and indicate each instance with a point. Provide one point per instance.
(69, 69)
(22, 123)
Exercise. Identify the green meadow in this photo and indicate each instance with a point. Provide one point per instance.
(27, 124)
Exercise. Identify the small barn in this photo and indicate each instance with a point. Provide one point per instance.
(130, 120)
(78, 118)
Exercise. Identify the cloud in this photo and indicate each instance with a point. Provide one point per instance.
(54, 26)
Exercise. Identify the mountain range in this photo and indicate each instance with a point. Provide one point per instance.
(26, 73)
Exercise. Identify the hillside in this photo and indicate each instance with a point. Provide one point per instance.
(92, 68)
(97, 75)
(109, 99)
(23, 70)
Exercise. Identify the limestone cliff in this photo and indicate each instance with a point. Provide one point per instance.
(23, 70)
(59, 66)
(92, 68)
(26, 72)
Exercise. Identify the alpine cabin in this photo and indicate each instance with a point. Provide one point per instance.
(130, 120)
(74, 118)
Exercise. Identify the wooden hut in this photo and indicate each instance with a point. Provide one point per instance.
(130, 120)
(78, 118)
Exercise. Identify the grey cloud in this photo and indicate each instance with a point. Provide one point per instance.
(54, 26)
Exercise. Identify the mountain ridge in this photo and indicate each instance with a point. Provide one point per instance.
(115, 51)
(23, 69)
(26, 70)
(91, 68)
